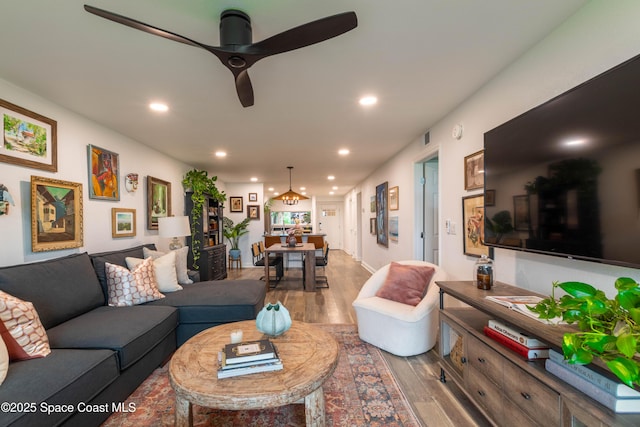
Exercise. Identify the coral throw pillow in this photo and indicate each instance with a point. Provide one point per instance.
(131, 287)
(406, 283)
(21, 329)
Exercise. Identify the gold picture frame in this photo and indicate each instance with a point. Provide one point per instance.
(28, 139)
(394, 198)
(474, 171)
(473, 223)
(56, 214)
(158, 201)
(123, 222)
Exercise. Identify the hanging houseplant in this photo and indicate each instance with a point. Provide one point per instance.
(200, 185)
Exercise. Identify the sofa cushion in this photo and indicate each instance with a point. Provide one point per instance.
(60, 288)
(182, 271)
(21, 330)
(130, 331)
(63, 377)
(132, 287)
(217, 301)
(114, 257)
(164, 268)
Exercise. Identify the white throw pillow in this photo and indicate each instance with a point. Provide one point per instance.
(128, 288)
(181, 262)
(4, 361)
(164, 269)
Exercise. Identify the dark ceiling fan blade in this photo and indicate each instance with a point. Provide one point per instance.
(129, 22)
(307, 34)
(244, 88)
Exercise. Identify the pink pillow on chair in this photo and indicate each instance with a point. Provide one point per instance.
(406, 284)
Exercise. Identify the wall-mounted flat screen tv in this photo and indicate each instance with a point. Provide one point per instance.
(564, 178)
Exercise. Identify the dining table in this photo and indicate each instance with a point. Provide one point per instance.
(309, 254)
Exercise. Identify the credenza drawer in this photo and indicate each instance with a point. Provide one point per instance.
(485, 393)
(534, 398)
(485, 360)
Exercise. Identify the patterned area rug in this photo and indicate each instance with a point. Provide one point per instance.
(361, 392)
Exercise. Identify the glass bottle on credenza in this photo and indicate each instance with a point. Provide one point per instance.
(483, 273)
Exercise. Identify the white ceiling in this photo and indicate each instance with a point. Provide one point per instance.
(420, 57)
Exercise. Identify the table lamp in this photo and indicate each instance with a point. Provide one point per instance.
(174, 227)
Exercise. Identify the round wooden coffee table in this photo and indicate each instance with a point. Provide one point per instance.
(309, 356)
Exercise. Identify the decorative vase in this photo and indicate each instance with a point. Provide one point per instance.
(292, 241)
(273, 319)
(484, 271)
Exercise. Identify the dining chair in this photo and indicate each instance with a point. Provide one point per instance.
(259, 261)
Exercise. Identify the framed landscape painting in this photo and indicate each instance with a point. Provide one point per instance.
(158, 201)
(123, 222)
(104, 173)
(28, 138)
(56, 214)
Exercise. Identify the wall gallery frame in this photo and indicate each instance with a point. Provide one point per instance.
(56, 214)
(253, 197)
(393, 228)
(104, 173)
(123, 222)
(158, 201)
(253, 211)
(236, 204)
(394, 198)
(28, 139)
(372, 226)
(474, 171)
(473, 220)
(382, 214)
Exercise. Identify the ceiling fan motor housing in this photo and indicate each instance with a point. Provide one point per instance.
(235, 28)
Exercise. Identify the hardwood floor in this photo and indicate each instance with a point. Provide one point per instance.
(435, 403)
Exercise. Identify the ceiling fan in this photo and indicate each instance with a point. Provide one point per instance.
(237, 52)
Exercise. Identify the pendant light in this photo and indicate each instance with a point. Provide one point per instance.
(290, 197)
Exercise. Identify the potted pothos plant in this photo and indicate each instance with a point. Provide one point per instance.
(233, 233)
(609, 328)
(201, 185)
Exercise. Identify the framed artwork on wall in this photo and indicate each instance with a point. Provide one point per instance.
(474, 171)
(158, 201)
(253, 197)
(393, 228)
(104, 174)
(28, 139)
(382, 214)
(56, 214)
(236, 204)
(394, 198)
(473, 221)
(123, 222)
(253, 211)
(372, 226)
(372, 207)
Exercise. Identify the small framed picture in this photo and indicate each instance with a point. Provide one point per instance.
(473, 220)
(158, 201)
(474, 171)
(28, 139)
(372, 226)
(104, 175)
(253, 197)
(253, 211)
(56, 214)
(236, 204)
(123, 222)
(394, 199)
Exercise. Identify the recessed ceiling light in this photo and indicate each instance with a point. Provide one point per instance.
(574, 142)
(221, 154)
(276, 194)
(331, 177)
(304, 193)
(331, 193)
(303, 188)
(343, 151)
(270, 188)
(335, 187)
(254, 179)
(368, 100)
(159, 107)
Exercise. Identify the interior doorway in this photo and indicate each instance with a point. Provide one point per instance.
(330, 223)
(430, 209)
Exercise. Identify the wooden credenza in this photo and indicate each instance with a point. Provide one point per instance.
(508, 389)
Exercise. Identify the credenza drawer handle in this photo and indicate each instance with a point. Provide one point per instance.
(527, 396)
(481, 360)
(481, 393)
(463, 360)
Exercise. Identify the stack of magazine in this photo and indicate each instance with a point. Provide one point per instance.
(248, 358)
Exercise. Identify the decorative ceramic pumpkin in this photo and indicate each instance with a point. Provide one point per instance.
(273, 319)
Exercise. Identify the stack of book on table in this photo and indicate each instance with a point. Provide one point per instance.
(248, 358)
(519, 341)
(610, 393)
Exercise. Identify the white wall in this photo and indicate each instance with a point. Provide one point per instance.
(256, 227)
(74, 134)
(598, 37)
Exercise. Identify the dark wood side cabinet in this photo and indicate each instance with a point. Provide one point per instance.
(508, 389)
(212, 264)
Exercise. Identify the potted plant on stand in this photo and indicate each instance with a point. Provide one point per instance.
(233, 233)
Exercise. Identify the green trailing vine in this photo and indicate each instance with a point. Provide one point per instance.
(201, 186)
(609, 328)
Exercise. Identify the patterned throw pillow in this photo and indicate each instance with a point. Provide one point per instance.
(4, 361)
(181, 262)
(406, 283)
(164, 269)
(131, 287)
(21, 329)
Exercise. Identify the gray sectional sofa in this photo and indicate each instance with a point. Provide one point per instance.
(100, 354)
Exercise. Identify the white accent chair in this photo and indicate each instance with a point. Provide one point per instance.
(400, 329)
